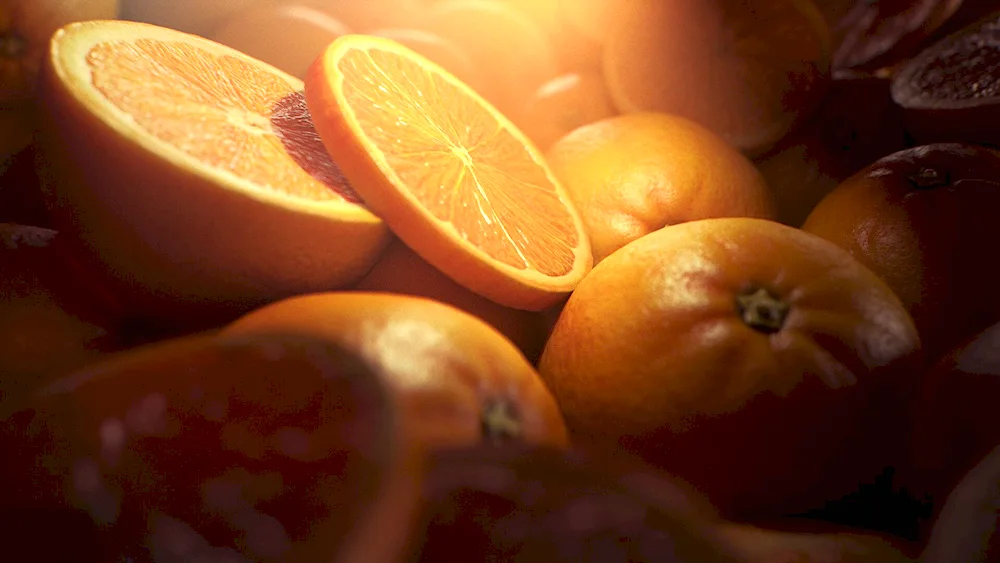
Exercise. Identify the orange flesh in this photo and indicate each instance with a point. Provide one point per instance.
(222, 111)
(463, 167)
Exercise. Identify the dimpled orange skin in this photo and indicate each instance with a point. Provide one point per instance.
(650, 353)
(448, 367)
(920, 218)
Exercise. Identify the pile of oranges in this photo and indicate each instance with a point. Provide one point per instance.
(499, 280)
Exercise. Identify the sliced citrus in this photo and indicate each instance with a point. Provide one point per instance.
(452, 177)
(202, 180)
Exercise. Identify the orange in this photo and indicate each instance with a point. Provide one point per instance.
(760, 363)
(920, 218)
(400, 270)
(363, 16)
(452, 177)
(856, 124)
(287, 35)
(52, 318)
(748, 70)
(592, 18)
(562, 104)
(515, 53)
(203, 188)
(438, 49)
(953, 418)
(633, 174)
(458, 381)
(259, 448)
(25, 28)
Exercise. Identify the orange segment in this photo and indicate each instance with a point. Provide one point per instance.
(203, 184)
(453, 177)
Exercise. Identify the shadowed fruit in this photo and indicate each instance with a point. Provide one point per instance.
(288, 36)
(53, 319)
(918, 218)
(203, 189)
(874, 35)
(511, 48)
(950, 91)
(458, 380)
(766, 546)
(632, 174)
(857, 124)
(760, 363)
(967, 530)
(400, 270)
(25, 28)
(562, 104)
(452, 177)
(748, 70)
(952, 419)
(536, 504)
(214, 449)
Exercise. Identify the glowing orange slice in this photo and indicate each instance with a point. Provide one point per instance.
(192, 174)
(452, 177)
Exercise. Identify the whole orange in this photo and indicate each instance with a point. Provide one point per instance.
(457, 379)
(761, 363)
(632, 174)
(919, 219)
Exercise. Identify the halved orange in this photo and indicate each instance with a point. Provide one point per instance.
(451, 175)
(192, 174)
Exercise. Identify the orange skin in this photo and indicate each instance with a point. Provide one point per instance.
(918, 218)
(52, 317)
(652, 354)
(224, 436)
(400, 270)
(457, 379)
(953, 418)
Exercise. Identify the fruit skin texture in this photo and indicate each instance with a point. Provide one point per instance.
(400, 270)
(651, 354)
(172, 242)
(919, 219)
(364, 165)
(630, 175)
(271, 447)
(25, 28)
(458, 381)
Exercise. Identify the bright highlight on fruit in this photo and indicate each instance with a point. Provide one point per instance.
(192, 174)
(452, 177)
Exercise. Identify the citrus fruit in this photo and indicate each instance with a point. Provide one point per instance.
(872, 35)
(967, 530)
(452, 177)
(950, 91)
(367, 15)
(562, 104)
(748, 70)
(287, 35)
(25, 28)
(267, 448)
(857, 124)
(592, 18)
(438, 49)
(458, 380)
(203, 188)
(952, 418)
(190, 16)
(632, 174)
(918, 218)
(513, 51)
(52, 319)
(760, 363)
(540, 504)
(400, 270)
